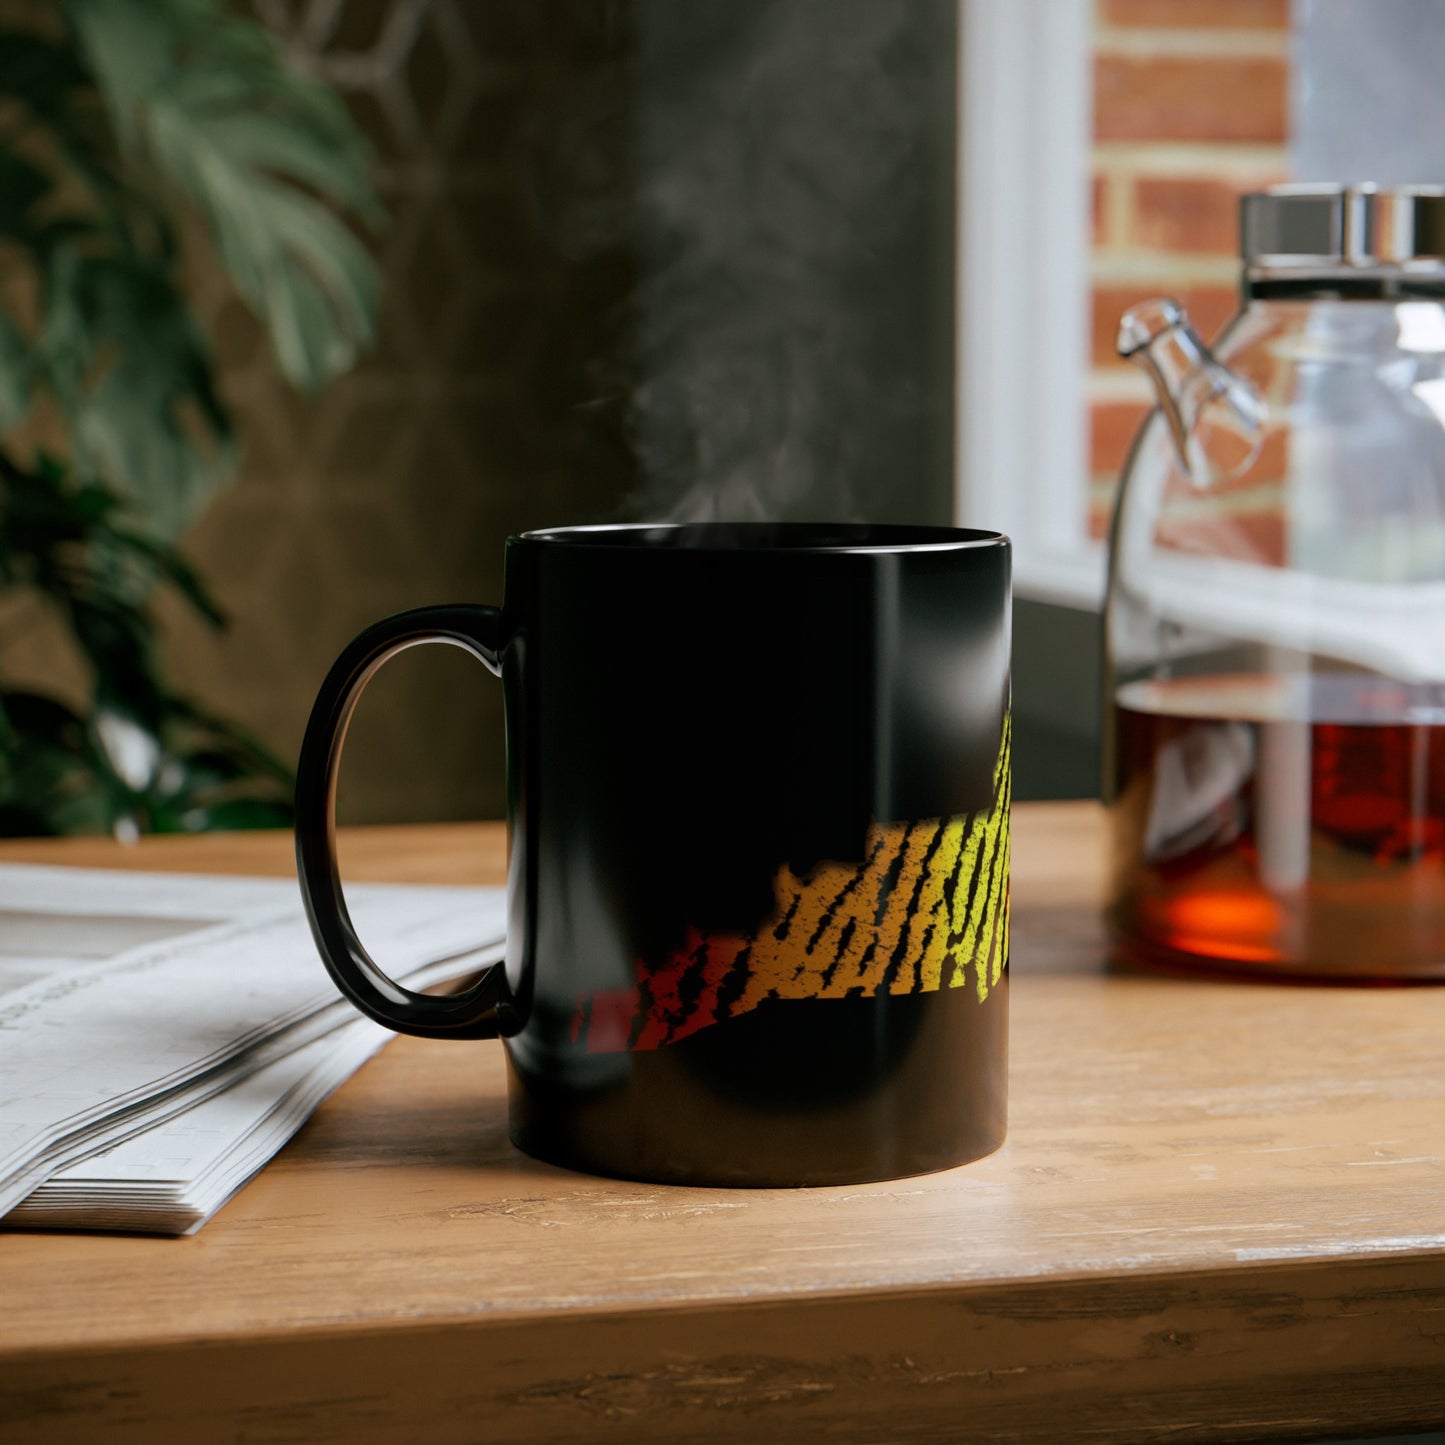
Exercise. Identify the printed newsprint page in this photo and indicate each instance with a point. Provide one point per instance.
(190, 1018)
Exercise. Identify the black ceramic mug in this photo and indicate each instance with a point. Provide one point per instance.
(758, 805)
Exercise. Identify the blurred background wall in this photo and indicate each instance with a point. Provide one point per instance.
(481, 413)
(645, 258)
(677, 258)
(672, 258)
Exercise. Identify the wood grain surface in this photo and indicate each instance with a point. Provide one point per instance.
(1220, 1215)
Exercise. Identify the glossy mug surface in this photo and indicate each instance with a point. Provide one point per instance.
(758, 807)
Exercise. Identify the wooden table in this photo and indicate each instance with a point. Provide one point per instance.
(1220, 1215)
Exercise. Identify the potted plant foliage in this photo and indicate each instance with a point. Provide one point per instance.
(120, 121)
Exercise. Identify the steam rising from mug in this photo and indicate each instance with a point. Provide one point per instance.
(790, 203)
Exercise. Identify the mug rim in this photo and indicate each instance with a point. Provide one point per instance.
(767, 537)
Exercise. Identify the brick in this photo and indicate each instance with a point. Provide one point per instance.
(1209, 307)
(1175, 213)
(1190, 98)
(1200, 14)
(1097, 200)
(1112, 427)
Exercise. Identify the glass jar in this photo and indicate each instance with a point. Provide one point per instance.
(1275, 621)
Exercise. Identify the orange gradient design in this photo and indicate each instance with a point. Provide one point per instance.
(925, 909)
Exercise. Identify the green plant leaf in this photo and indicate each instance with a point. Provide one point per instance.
(129, 48)
(52, 90)
(170, 566)
(38, 73)
(21, 186)
(48, 780)
(208, 101)
(15, 374)
(311, 281)
(209, 730)
(130, 106)
(132, 375)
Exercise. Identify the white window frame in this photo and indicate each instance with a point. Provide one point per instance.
(1025, 137)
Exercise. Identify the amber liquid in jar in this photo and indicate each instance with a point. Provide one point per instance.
(1291, 826)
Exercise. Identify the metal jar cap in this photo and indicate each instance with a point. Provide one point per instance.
(1328, 227)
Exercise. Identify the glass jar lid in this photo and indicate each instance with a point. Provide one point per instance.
(1318, 227)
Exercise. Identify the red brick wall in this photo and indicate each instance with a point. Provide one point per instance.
(1190, 111)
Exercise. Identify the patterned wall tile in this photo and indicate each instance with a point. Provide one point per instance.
(398, 486)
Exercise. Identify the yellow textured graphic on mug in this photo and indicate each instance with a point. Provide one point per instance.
(926, 909)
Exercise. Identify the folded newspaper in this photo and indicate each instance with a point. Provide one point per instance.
(162, 1035)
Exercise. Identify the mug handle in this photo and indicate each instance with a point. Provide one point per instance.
(467, 1015)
